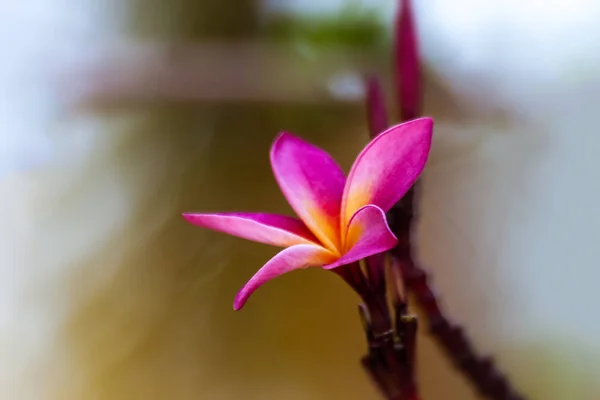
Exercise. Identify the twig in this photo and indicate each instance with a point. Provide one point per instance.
(391, 340)
(481, 371)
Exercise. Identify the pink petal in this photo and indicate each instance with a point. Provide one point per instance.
(387, 167)
(276, 230)
(295, 257)
(313, 184)
(376, 113)
(367, 234)
(408, 69)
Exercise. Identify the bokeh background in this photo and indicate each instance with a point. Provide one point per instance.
(116, 116)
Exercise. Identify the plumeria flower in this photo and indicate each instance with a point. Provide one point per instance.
(341, 220)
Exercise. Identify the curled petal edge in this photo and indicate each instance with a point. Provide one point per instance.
(292, 258)
(367, 234)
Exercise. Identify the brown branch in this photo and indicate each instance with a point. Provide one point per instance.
(392, 345)
(480, 371)
(394, 379)
(391, 336)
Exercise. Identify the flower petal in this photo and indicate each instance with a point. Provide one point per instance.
(367, 234)
(313, 184)
(387, 167)
(276, 230)
(295, 257)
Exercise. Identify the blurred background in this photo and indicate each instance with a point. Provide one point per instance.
(116, 116)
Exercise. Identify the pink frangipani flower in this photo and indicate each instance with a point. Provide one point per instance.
(341, 220)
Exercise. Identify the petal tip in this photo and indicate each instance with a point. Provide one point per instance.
(422, 127)
(427, 125)
(425, 121)
(240, 300)
(194, 219)
(283, 136)
(280, 140)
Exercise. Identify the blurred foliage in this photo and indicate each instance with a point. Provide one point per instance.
(190, 20)
(352, 26)
(213, 19)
